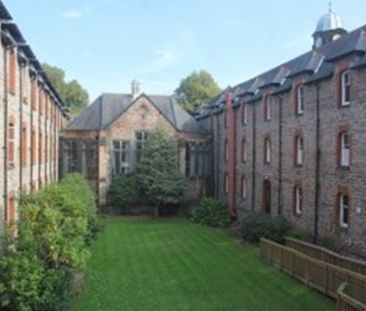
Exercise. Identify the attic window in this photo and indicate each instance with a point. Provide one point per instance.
(143, 111)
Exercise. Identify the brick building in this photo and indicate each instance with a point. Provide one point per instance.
(108, 137)
(292, 141)
(31, 116)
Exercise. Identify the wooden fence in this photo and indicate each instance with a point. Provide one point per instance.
(326, 255)
(345, 302)
(322, 276)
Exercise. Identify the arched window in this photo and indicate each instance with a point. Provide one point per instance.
(244, 114)
(24, 146)
(345, 88)
(299, 150)
(343, 206)
(11, 141)
(300, 100)
(34, 146)
(267, 108)
(267, 150)
(298, 200)
(244, 151)
(344, 149)
(243, 187)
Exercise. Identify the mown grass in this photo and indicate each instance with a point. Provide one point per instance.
(177, 265)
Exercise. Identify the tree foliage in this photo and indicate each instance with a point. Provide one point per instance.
(72, 93)
(158, 170)
(123, 192)
(196, 89)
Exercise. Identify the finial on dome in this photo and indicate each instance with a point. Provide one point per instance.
(328, 28)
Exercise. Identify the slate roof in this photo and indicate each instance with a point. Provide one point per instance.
(109, 107)
(317, 63)
(4, 13)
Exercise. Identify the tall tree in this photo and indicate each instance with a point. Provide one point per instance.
(72, 93)
(196, 89)
(158, 171)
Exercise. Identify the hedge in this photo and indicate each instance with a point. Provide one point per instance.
(48, 245)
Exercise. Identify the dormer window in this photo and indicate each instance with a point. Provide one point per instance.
(300, 100)
(345, 88)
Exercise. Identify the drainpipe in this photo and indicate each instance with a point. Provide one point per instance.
(21, 65)
(254, 126)
(217, 154)
(6, 124)
(212, 155)
(231, 153)
(279, 203)
(317, 169)
(31, 130)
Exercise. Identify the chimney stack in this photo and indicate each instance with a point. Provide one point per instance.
(135, 89)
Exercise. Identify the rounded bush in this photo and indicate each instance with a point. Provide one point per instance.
(257, 225)
(210, 212)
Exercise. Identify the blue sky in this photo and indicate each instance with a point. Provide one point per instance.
(107, 43)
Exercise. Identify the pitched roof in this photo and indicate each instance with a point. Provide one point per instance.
(317, 63)
(109, 107)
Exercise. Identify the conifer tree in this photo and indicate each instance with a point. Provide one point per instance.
(158, 171)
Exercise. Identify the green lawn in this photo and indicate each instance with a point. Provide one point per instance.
(176, 265)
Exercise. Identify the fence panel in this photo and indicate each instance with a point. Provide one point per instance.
(323, 276)
(326, 255)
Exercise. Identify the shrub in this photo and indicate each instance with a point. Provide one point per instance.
(210, 212)
(50, 245)
(123, 192)
(256, 225)
(301, 235)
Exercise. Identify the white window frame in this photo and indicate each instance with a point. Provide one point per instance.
(268, 108)
(299, 150)
(122, 147)
(244, 150)
(345, 87)
(300, 100)
(298, 200)
(342, 207)
(243, 187)
(345, 150)
(267, 146)
(245, 114)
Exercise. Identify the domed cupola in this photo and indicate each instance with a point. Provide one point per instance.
(329, 28)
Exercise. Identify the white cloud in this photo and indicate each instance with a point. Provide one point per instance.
(164, 58)
(72, 13)
(182, 49)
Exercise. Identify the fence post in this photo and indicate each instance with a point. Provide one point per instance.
(326, 280)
